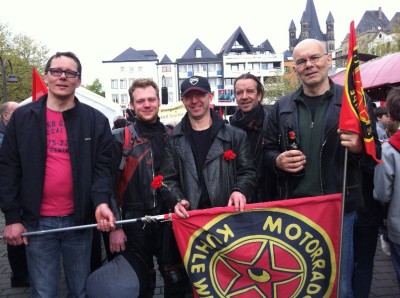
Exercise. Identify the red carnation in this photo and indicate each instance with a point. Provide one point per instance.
(157, 182)
(229, 155)
(292, 135)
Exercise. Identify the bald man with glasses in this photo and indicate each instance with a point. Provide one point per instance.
(313, 113)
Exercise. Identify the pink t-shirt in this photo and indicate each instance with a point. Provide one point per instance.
(58, 199)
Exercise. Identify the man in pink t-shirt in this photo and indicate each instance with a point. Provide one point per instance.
(55, 168)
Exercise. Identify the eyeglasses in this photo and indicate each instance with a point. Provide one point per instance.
(313, 59)
(57, 72)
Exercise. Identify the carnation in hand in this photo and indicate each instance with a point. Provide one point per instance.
(158, 182)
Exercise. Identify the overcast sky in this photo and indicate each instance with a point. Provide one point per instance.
(100, 30)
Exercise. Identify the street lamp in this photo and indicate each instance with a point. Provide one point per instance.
(11, 78)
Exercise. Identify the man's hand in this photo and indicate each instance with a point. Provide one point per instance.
(291, 161)
(105, 218)
(12, 234)
(351, 141)
(181, 207)
(117, 240)
(238, 200)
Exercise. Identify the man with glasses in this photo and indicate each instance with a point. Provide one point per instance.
(313, 112)
(207, 163)
(55, 166)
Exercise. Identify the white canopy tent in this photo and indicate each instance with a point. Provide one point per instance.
(109, 109)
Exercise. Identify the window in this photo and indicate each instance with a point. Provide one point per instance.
(168, 82)
(140, 69)
(166, 68)
(114, 84)
(213, 82)
(124, 98)
(122, 69)
(122, 84)
(131, 81)
(229, 82)
(211, 67)
(198, 53)
(114, 98)
(131, 69)
(182, 68)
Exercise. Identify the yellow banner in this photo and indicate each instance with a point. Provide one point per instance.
(172, 113)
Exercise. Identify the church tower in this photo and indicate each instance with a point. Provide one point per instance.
(310, 28)
(330, 32)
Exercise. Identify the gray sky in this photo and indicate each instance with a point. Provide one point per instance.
(101, 30)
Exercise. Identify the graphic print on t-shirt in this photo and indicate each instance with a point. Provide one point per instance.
(57, 189)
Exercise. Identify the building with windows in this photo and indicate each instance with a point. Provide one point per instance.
(120, 72)
(236, 57)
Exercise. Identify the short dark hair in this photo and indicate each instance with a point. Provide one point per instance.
(66, 54)
(245, 76)
(142, 83)
(380, 111)
(393, 103)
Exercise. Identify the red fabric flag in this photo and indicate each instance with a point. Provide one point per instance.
(38, 86)
(354, 112)
(220, 112)
(287, 248)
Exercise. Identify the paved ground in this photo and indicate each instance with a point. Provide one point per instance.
(384, 282)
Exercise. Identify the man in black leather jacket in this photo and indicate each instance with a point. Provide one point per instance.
(313, 113)
(252, 117)
(135, 167)
(206, 162)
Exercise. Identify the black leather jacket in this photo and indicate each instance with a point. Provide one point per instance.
(221, 177)
(332, 154)
(140, 161)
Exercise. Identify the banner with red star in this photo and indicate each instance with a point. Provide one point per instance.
(284, 248)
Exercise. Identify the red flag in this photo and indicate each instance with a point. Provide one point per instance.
(38, 86)
(287, 248)
(220, 112)
(354, 112)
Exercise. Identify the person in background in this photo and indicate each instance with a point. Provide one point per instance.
(382, 121)
(382, 126)
(207, 163)
(130, 114)
(366, 232)
(55, 166)
(135, 167)
(16, 254)
(6, 110)
(119, 121)
(252, 117)
(387, 180)
(316, 105)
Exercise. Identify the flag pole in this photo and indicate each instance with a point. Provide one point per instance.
(146, 219)
(342, 217)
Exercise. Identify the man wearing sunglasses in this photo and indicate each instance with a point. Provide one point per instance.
(313, 112)
(55, 167)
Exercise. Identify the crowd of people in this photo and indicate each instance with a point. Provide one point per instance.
(62, 166)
